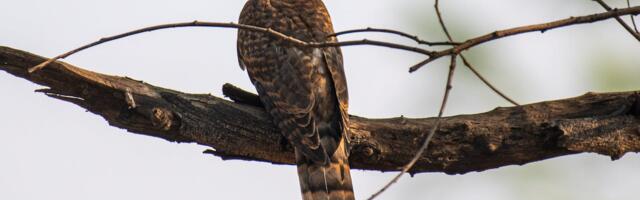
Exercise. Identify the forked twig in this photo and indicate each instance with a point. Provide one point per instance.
(526, 29)
(464, 60)
(445, 99)
(420, 41)
(624, 24)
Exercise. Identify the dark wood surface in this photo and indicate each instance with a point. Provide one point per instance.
(604, 123)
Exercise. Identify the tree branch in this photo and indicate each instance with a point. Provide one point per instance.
(395, 32)
(526, 29)
(607, 123)
(268, 31)
(420, 41)
(633, 33)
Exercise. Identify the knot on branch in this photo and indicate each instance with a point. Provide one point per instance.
(366, 151)
(164, 119)
(488, 143)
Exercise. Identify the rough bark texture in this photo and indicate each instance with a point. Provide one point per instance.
(606, 123)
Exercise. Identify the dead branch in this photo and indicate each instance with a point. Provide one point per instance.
(604, 123)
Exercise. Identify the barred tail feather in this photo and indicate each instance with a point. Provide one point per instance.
(326, 182)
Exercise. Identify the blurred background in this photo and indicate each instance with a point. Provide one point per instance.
(51, 149)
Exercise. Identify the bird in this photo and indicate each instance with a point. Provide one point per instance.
(302, 88)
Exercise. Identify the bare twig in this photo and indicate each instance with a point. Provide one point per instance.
(272, 32)
(395, 32)
(624, 24)
(486, 82)
(420, 41)
(432, 132)
(445, 99)
(464, 60)
(441, 21)
(633, 21)
(525, 29)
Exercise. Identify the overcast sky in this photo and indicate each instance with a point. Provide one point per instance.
(55, 150)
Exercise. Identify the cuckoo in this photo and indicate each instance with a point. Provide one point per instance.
(302, 88)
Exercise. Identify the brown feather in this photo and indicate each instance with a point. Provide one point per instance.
(303, 89)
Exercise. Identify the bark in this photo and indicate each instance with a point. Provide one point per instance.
(604, 123)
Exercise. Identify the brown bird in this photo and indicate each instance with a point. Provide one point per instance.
(303, 89)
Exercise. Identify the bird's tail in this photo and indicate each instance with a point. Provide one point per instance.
(323, 182)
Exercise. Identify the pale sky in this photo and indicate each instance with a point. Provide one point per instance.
(55, 150)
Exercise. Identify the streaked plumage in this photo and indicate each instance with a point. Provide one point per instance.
(303, 89)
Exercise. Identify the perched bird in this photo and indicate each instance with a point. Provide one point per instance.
(303, 89)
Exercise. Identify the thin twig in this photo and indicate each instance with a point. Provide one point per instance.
(633, 21)
(439, 15)
(432, 132)
(464, 59)
(395, 32)
(486, 82)
(370, 42)
(624, 24)
(236, 26)
(525, 29)
(418, 40)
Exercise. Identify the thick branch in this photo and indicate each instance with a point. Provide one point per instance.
(605, 123)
